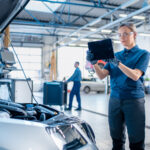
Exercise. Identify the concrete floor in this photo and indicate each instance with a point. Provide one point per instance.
(95, 108)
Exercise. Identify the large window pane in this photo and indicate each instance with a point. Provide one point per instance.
(30, 59)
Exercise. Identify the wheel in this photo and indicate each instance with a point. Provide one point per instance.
(86, 89)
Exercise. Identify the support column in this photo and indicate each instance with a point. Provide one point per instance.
(6, 38)
(53, 75)
(49, 63)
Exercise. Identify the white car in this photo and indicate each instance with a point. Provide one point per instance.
(40, 127)
(92, 84)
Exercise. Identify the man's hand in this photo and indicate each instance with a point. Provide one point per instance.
(90, 57)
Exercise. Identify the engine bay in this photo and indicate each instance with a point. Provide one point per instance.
(30, 111)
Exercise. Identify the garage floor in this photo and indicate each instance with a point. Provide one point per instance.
(95, 108)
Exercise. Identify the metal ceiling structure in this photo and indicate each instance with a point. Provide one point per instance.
(79, 21)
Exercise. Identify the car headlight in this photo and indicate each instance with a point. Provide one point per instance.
(66, 137)
(88, 130)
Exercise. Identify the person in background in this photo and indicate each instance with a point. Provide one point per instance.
(76, 78)
(127, 98)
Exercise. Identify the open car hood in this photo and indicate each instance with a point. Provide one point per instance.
(9, 10)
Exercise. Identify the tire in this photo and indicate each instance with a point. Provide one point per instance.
(86, 90)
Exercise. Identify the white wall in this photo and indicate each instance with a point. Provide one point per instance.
(143, 42)
(66, 58)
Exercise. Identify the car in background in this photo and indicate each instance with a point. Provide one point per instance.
(147, 85)
(92, 84)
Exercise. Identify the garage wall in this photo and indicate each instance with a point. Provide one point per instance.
(143, 42)
(66, 58)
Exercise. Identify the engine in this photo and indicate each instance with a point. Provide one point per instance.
(33, 112)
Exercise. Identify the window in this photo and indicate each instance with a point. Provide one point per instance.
(30, 59)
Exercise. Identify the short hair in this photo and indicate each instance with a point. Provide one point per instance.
(77, 62)
(131, 26)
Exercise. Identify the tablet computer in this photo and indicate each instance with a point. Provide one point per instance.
(101, 49)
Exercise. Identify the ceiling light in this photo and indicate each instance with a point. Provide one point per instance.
(122, 15)
(83, 45)
(117, 42)
(129, 3)
(93, 29)
(84, 39)
(72, 44)
(73, 39)
(139, 17)
(144, 34)
(106, 31)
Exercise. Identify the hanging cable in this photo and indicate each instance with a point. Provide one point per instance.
(22, 68)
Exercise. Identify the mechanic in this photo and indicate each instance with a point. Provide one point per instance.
(126, 103)
(76, 78)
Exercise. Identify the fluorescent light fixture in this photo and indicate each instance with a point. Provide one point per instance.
(129, 3)
(144, 34)
(84, 39)
(139, 17)
(93, 29)
(72, 44)
(122, 15)
(106, 31)
(73, 39)
(84, 45)
(117, 42)
(94, 22)
(134, 17)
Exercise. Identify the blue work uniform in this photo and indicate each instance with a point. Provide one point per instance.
(126, 104)
(76, 78)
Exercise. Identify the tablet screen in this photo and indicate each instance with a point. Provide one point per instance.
(101, 49)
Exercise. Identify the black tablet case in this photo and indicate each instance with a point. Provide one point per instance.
(101, 49)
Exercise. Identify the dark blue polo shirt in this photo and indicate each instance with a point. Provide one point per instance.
(76, 76)
(123, 87)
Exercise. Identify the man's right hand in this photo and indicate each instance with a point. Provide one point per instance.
(90, 57)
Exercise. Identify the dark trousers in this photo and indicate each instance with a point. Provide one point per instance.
(129, 113)
(75, 91)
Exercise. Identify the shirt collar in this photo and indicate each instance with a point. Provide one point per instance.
(133, 49)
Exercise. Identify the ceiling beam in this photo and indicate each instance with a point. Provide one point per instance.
(89, 3)
(109, 25)
(95, 21)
